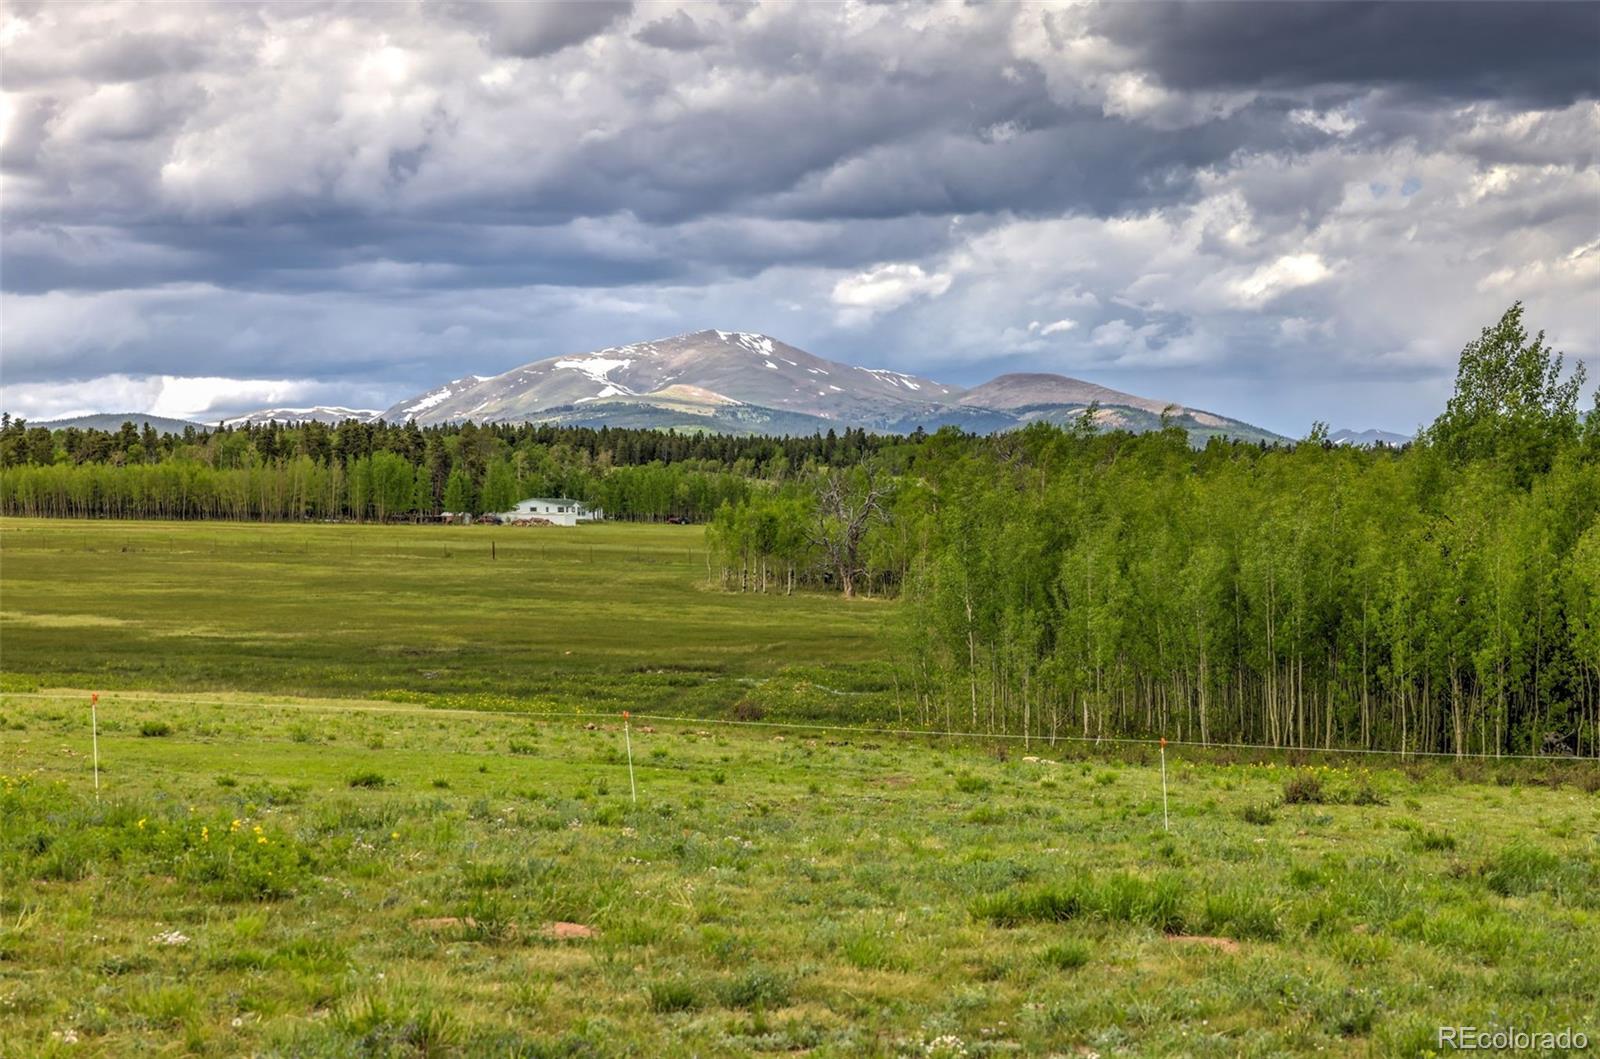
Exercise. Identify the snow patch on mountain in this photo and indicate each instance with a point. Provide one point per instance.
(319, 413)
(894, 378)
(599, 368)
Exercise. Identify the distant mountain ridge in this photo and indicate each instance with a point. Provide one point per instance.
(331, 414)
(112, 422)
(1370, 437)
(740, 382)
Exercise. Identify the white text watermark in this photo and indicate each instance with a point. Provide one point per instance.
(1511, 1039)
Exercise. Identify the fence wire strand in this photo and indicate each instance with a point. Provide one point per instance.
(906, 733)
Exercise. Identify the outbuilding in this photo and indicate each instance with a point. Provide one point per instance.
(558, 511)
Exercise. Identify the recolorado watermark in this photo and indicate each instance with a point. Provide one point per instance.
(1511, 1039)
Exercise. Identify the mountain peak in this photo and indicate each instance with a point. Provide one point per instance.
(748, 382)
(330, 414)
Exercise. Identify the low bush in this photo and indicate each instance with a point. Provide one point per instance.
(1260, 815)
(967, 783)
(1304, 788)
(868, 951)
(155, 729)
(755, 988)
(368, 780)
(1066, 956)
(1521, 869)
(1118, 898)
(1431, 841)
(672, 995)
(1239, 914)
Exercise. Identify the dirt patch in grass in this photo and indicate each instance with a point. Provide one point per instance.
(1227, 945)
(561, 931)
(441, 923)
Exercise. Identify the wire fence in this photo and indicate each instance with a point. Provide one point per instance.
(1153, 742)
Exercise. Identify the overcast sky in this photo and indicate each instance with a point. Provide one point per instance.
(1279, 212)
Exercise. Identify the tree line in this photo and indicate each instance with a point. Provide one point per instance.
(379, 471)
(1440, 598)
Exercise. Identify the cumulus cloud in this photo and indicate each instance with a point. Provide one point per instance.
(198, 399)
(676, 32)
(1230, 203)
(887, 287)
(529, 31)
(1287, 273)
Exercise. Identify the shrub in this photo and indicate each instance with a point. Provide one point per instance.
(1239, 914)
(756, 988)
(967, 783)
(1521, 869)
(748, 711)
(1066, 956)
(1054, 905)
(868, 952)
(368, 779)
(674, 995)
(155, 729)
(385, 1025)
(1119, 898)
(1261, 815)
(1304, 788)
(1366, 795)
(241, 865)
(1431, 841)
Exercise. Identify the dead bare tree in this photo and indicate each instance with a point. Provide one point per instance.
(849, 503)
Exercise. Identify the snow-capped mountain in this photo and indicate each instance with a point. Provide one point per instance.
(1369, 437)
(751, 383)
(332, 414)
(700, 372)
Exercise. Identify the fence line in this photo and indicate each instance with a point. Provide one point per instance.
(366, 706)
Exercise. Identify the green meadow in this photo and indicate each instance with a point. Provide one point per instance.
(357, 799)
(605, 617)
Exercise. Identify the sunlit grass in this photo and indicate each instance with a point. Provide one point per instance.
(237, 890)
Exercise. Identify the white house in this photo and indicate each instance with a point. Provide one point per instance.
(556, 510)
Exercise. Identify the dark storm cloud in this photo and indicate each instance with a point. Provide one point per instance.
(676, 32)
(117, 57)
(531, 30)
(1544, 54)
(398, 193)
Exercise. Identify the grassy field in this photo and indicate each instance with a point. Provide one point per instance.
(342, 878)
(598, 617)
(282, 864)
